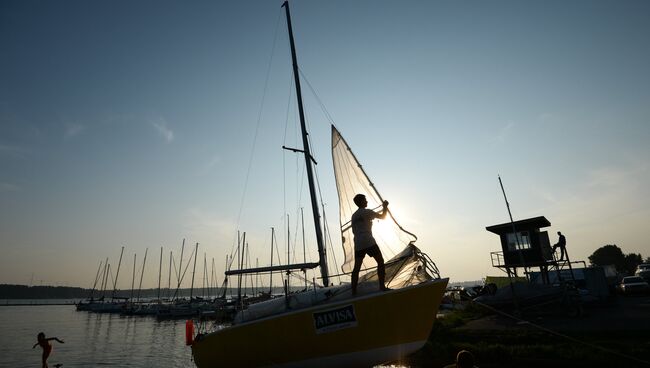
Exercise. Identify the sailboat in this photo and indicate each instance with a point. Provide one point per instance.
(331, 326)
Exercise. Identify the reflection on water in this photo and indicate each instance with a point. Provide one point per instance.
(91, 339)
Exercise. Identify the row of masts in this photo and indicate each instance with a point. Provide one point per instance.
(104, 275)
(248, 277)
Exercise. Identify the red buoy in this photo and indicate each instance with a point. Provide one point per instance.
(189, 332)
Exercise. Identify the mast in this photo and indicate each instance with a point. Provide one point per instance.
(213, 281)
(107, 271)
(322, 255)
(196, 253)
(270, 276)
(205, 274)
(117, 273)
(142, 272)
(160, 272)
(103, 284)
(169, 276)
(96, 279)
(133, 276)
(304, 251)
(180, 264)
(514, 230)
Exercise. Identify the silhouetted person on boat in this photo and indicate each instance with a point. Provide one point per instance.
(464, 359)
(561, 243)
(45, 344)
(364, 242)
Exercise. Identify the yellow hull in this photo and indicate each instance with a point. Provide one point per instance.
(363, 331)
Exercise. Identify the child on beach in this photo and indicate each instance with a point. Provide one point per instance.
(46, 345)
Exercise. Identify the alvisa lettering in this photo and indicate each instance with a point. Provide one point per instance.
(335, 319)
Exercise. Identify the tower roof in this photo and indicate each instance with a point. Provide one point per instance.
(531, 223)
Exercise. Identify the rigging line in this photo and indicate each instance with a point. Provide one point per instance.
(300, 190)
(257, 127)
(331, 243)
(277, 250)
(313, 91)
(183, 275)
(284, 154)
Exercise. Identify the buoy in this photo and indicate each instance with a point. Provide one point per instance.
(189, 332)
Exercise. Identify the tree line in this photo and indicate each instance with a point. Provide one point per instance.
(611, 254)
(41, 292)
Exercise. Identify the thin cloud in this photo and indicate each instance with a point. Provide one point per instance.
(623, 178)
(208, 227)
(545, 194)
(15, 151)
(161, 126)
(73, 130)
(548, 118)
(209, 166)
(8, 187)
(504, 133)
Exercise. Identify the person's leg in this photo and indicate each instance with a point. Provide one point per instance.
(381, 269)
(358, 261)
(45, 356)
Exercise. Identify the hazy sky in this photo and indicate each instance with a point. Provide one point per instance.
(134, 123)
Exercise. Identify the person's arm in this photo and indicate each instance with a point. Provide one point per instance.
(35, 345)
(56, 339)
(384, 210)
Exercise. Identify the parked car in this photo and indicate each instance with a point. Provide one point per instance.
(634, 285)
(644, 271)
(644, 275)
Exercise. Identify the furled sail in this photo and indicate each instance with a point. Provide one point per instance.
(351, 180)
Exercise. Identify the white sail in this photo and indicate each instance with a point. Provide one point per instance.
(351, 180)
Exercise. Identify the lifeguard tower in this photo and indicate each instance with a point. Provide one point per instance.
(525, 245)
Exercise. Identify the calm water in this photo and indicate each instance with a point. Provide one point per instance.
(91, 339)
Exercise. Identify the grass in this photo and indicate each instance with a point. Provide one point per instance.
(528, 347)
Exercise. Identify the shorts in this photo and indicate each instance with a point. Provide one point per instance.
(371, 251)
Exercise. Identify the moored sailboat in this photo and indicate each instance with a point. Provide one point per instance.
(331, 326)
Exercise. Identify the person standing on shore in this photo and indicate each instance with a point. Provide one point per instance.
(364, 242)
(464, 359)
(45, 344)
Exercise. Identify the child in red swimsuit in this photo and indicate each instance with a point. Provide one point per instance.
(46, 345)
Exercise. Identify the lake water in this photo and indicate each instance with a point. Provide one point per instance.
(91, 339)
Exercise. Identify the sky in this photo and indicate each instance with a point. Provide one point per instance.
(140, 124)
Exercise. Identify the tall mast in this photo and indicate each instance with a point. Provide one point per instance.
(96, 279)
(144, 262)
(117, 274)
(514, 230)
(308, 159)
(133, 277)
(169, 276)
(160, 272)
(196, 253)
(271, 274)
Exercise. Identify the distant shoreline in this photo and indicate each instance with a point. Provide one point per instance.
(35, 303)
(9, 292)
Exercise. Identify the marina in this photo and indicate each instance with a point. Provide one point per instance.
(309, 184)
